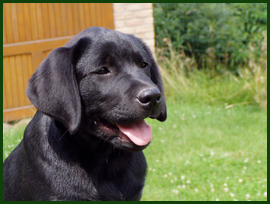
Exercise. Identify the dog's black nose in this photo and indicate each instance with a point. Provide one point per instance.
(149, 97)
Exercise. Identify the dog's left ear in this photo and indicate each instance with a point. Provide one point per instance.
(157, 79)
(53, 88)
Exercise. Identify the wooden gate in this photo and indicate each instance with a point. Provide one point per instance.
(30, 32)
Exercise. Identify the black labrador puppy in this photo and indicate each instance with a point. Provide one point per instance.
(85, 142)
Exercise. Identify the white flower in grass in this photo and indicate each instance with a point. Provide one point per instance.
(179, 186)
(174, 126)
(212, 190)
(246, 160)
(184, 186)
(227, 177)
(188, 181)
(240, 180)
(217, 199)
(235, 199)
(225, 184)
(196, 190)
(247, 196)
(172, 181)
(259, 161)
(183, 116)
(165, 175)
(170, 173)
(212, 185)
(226, 189)
(175, 191)
(265, 194)
(231, 194)
(182, 178)
(245, 168)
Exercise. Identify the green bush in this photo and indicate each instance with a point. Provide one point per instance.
(211, 32)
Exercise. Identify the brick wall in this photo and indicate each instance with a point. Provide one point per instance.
(137, 19)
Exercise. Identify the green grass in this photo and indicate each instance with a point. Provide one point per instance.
(208, 152)
(11, 139)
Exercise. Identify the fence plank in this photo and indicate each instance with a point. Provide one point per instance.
(59, 30)
(46, 22)
(4, 27)
(81, 17)
(13, 79)
(25, 76)
(76, 18)
(7, 81)
(34, 21)
(37, 58)
(5, 105)
(19, 72)
(52, 20)
(64, 19)
(20, 17)
(15, 29)
(8, 19)
(27, 22)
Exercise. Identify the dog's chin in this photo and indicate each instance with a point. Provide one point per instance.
(111, 133)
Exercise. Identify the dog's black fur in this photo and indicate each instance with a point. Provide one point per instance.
(72, 149)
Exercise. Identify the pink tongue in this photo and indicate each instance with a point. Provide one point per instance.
(139, 133)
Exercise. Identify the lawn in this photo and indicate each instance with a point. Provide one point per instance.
(201, 153)
(208, 153)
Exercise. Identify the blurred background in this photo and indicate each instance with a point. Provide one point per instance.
(213, 60)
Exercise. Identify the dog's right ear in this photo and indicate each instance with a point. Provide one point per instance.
(53, 88)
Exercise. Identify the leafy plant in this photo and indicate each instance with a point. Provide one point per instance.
(212, 33)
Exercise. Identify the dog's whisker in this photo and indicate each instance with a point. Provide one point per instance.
(62, 135)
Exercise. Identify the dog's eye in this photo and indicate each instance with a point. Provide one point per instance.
(103, 70)
(143, 64)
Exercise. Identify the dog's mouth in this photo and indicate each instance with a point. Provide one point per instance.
(139, 132)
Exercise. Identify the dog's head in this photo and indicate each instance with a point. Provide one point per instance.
(102, 82)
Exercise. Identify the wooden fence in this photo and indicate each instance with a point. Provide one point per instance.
(30, 32)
